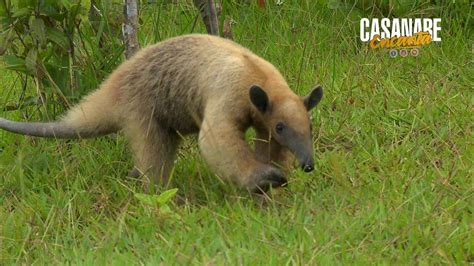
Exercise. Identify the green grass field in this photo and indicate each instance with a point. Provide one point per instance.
(393, 146)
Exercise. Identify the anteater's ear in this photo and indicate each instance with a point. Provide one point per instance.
(313, 98)
(259, 98)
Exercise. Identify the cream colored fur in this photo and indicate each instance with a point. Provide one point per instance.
(194, 84)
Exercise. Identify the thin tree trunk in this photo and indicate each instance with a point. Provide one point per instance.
(207, 9)
(130, 27)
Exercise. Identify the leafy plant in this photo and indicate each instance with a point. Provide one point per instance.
(49, 43)
(159, 203)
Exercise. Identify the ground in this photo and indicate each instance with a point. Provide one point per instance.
(393, 151)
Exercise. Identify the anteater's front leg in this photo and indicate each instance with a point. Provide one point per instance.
(224, 147)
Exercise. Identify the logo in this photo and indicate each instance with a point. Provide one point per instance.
(405, 34)
(414, 52)
(403, 52)
(393, 53)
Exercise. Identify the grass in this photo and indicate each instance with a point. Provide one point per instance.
(394, 170)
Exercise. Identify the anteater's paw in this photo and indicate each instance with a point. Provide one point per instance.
(267, 177)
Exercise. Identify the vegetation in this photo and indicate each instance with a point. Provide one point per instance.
(392, 138)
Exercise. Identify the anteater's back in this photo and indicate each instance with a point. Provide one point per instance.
(172, 80)
(171, 83)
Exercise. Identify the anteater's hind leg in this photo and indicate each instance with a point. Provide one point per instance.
(154, 147)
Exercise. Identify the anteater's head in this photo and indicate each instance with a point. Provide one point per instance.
(287, 119)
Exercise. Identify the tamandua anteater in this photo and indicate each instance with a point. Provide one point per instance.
(196, 84)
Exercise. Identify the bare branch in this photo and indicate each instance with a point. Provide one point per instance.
(207, 9)
(130, 27)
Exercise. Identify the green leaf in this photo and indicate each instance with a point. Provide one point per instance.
(14, 63)
(37, 24)
(5, 40)
(65, 3)
(31, 61)
(27, 4)
(147, 199)
(51, 12)
(22, 12)
(164, 197)
(58, 37)
(159, 200)
(165, 209)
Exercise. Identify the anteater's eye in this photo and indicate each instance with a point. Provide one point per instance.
(279, 127)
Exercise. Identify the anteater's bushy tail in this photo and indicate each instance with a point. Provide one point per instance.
(94, 116)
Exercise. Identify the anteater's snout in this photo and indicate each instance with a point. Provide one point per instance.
(308, 166)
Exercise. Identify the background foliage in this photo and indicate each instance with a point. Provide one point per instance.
(63, 47)
(393, 142)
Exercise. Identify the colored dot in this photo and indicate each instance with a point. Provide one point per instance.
(414, 52)
(403, 52)
(393, 53)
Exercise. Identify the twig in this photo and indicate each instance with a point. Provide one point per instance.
(208, 13)
(130, 27)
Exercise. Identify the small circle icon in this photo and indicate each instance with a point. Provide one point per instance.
(403, 52)
(414, 52)
(393, 53)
